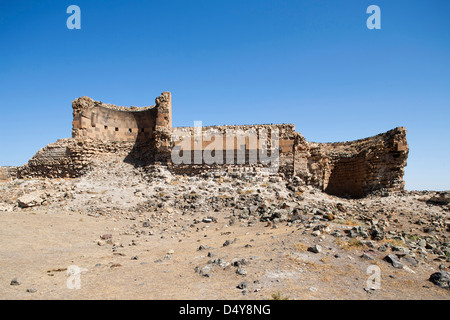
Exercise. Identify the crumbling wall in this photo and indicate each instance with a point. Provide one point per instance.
(358, 168)
(196, 149)
(145, 136)
(346, 176)
(136, 134)
(107, 122)
(7, 173)
(162, 137)
(71, 157)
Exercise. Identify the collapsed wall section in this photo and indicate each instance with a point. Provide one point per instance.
(70, 158)
(136, 134)
(145, 136)
(8, 172)
(358, 168)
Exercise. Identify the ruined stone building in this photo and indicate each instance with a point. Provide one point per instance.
(145, 136)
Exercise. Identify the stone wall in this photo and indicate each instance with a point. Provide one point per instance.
(145, 136)
(71, 157)
(358, 168)
(162, 136)
(7, 173)
(251, 146)
(107, 122)
(354, 168)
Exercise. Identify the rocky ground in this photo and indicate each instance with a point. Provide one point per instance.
(126, 232)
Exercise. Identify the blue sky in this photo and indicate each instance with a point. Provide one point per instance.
(313, 63)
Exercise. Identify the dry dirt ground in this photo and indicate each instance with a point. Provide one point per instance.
(127, 246)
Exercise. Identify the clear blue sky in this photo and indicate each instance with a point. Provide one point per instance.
(313, 63)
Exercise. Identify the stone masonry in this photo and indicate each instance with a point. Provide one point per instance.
(145, 137)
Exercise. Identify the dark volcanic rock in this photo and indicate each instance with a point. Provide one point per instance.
(441, 279)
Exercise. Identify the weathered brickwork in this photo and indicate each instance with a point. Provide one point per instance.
(7, 173)
(106, 122)
(246, 148)
(145, 136)
(359, 167)
(71, 157)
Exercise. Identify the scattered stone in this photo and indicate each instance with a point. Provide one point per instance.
(32, 199)
(31, 290)
(376, 234)
(408, 269)
(393, 259)
(106, 236)
(146, 224)
(206, 271)
(441, 279)
(400, 251)
(336, 234)
(5, 208)
(341, 207)
(366, 256)
(400, 218)
(242, 285)
(315, 248)
(439, 199)
(220, 262)
(422, 243)
(241, 271)
(316, 233)
(237, 262)
(15, 282)
(369, 290)
(410, 260)
(369, 244)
